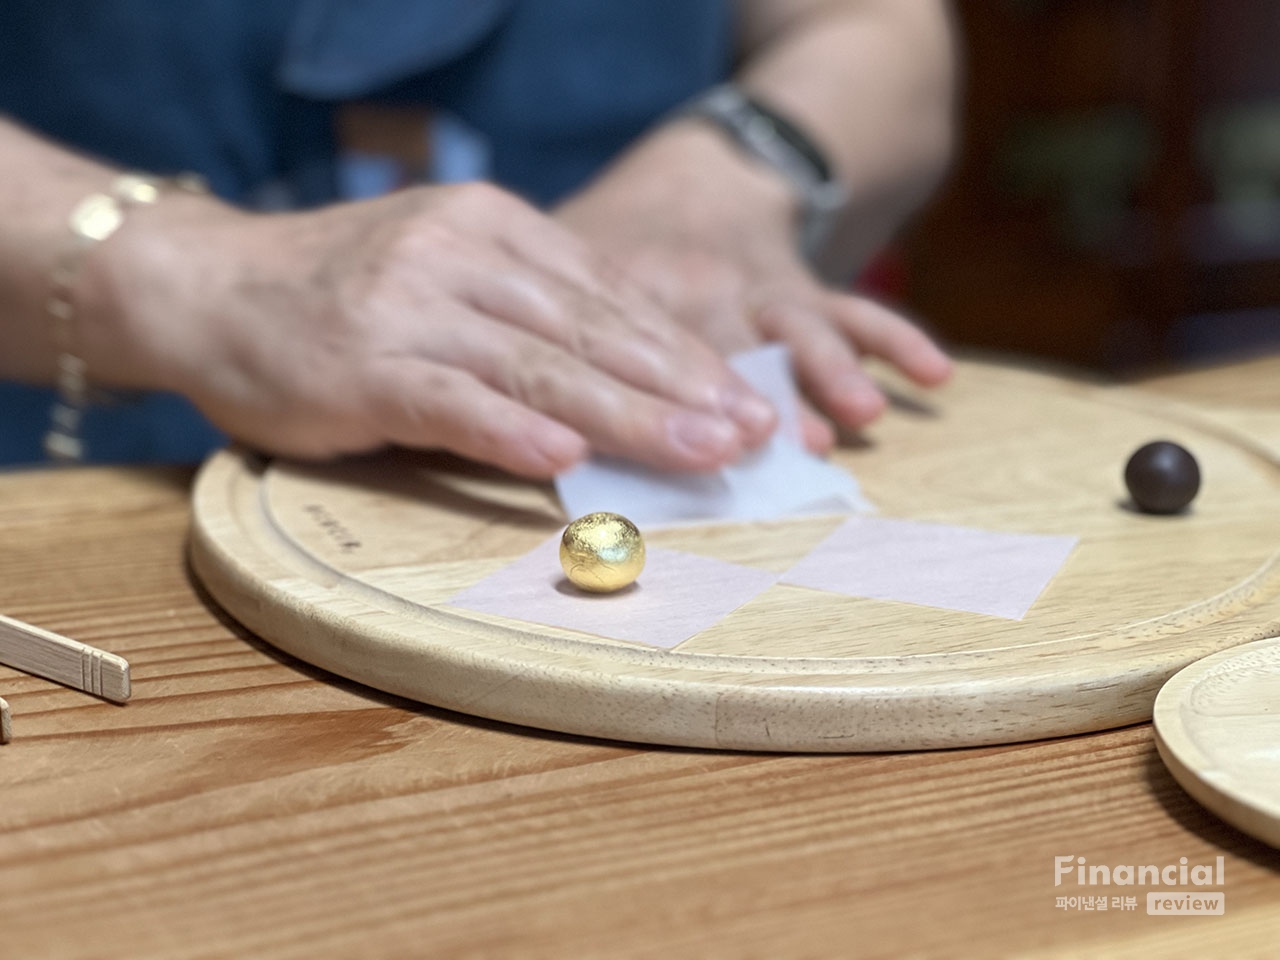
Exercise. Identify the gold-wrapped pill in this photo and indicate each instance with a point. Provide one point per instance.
(602, 552)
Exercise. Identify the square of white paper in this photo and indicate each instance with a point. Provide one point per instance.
(934, 565)
(780, 479)
(676, 597)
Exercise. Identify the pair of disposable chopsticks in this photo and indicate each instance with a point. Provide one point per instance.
(55, 657)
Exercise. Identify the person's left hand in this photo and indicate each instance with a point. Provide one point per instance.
(711, 237)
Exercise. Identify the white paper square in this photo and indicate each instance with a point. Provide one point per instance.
(768, 370)
(780, 479)
(934, 565)
(677, 596)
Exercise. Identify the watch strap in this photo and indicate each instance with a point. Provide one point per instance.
(770, 137)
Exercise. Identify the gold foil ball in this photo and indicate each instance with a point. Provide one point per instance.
(602, 552)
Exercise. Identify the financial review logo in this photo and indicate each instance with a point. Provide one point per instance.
(1092, 886)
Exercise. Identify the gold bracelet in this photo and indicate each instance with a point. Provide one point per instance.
(94, 219)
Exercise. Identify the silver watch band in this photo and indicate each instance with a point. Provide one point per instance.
(822, 198)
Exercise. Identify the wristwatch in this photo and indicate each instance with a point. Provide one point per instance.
(771, 138)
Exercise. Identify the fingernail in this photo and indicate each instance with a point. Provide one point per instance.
(862, 397)
(945, 368)
(819, 436)
(703, 436)
(749, 409)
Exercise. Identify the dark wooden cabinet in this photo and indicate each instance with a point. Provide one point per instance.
(1116, 201)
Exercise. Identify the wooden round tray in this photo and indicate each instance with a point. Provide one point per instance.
(348, 566)
(1217, 729)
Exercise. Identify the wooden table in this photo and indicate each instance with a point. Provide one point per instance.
(246, 805)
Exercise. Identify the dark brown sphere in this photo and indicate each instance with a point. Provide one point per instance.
(1162, 477)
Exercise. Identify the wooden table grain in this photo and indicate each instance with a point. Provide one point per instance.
(245, 805)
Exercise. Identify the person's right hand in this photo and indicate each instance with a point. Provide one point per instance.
(452, 317)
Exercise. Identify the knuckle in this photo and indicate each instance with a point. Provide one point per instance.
(420, 237)
(487, 433)
(530, 378)
(423, 239)
(619, 277)
(627, 425)
(774, 319)
(416, 396)
(582, 339)
(441, 384)
(521, 300)
(477, 195)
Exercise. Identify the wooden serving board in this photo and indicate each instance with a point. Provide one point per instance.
(348, 566)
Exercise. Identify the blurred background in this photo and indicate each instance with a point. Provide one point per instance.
(1116, 202)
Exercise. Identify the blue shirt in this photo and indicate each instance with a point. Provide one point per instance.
(243, 91)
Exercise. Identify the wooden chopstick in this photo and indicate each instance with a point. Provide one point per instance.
(54, 657)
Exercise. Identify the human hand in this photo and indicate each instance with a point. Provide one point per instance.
(710, 236)
(454, 316)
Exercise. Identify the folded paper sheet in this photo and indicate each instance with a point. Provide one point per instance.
(780, 479)
(678, 595)
(934, 565)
